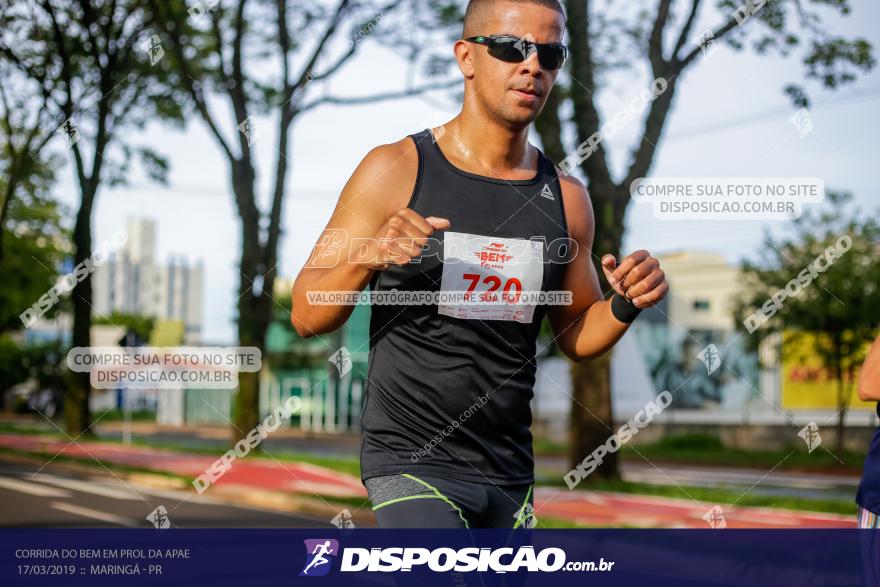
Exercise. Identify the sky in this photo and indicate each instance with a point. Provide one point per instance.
(730, 119)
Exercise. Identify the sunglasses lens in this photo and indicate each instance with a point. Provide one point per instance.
(551, 56)
(510, 50)
(515, 50)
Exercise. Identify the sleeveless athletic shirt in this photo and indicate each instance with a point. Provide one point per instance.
(868, 495)
(449, 385)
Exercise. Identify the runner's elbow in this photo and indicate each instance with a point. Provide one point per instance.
(589, 352)
(302, 313)
(311, 317)
(579, 355)
(867, 393)
(309, 322)
(302, 317)
(300, 326)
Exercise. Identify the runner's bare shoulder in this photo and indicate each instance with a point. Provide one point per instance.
(384, 179)
(578, 208)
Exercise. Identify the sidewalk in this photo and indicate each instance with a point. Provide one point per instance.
(604, 508)
(266, 476)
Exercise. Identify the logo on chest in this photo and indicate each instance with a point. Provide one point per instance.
(494, 255)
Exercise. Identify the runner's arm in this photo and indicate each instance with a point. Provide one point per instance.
(869, 378)
(373, 194)
(588, 328)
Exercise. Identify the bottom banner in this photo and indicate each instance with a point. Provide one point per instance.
(653, 558)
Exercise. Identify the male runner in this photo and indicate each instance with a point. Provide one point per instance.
(868, 496)
(446, 415)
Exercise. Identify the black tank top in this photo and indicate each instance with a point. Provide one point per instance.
(448, 386)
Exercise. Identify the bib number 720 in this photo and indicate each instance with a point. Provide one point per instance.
(494, 283)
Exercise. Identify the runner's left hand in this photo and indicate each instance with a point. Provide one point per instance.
(638, 278)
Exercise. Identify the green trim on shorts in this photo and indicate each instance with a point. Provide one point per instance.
(519, 515)
(440, 495)
(408, 497)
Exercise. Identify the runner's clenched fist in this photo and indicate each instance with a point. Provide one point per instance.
(638, 278)
(401, 238)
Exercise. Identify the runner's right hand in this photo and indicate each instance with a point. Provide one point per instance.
(401, 238)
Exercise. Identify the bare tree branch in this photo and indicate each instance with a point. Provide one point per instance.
(686, 29)
(67, 79)
(310, 62)
(339, 63)
(380, 97)
(270, 251)
(353, 49)
(236, 90)
(655, 43)
(716, 34)
(218, 37)
(582, 89)
(191, 85)
(656, 119)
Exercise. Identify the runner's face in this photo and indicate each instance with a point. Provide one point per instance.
(515, 92)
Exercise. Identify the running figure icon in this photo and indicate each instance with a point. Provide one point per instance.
(319, 552)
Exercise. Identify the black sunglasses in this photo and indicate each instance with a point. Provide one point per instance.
(515, 50)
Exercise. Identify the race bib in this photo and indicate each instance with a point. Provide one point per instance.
(484, 277)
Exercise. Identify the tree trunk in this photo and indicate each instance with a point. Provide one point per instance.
(77, 415)
(254, 304)
(4, 208)
(247, 400)
(592, 415)
(591, 420)
(549, 128)
(253, 324)
(842, 405)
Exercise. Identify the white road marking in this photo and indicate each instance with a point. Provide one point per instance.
(31, 488)
(90, 513)
(87, 487)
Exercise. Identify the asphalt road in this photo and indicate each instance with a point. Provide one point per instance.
(56, 497)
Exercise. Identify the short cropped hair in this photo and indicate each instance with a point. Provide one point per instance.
(478, 12)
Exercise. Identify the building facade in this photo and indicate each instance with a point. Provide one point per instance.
(132, 281)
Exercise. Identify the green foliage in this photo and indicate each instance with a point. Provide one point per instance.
(141, 325)
(836, 312)
(91, 62)
(35, 244)
(691, 442)
(781, 27)
(12, 369)
(843, 301)
(45, 362)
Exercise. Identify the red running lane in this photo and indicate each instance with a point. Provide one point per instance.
(593, 508)
(603, 508)
(257, 473)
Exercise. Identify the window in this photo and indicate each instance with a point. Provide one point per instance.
(701, 305)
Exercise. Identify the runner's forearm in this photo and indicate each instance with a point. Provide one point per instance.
(869, 378)
(311, 319)
(595, 332)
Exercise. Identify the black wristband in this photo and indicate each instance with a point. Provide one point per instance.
(623, 309)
